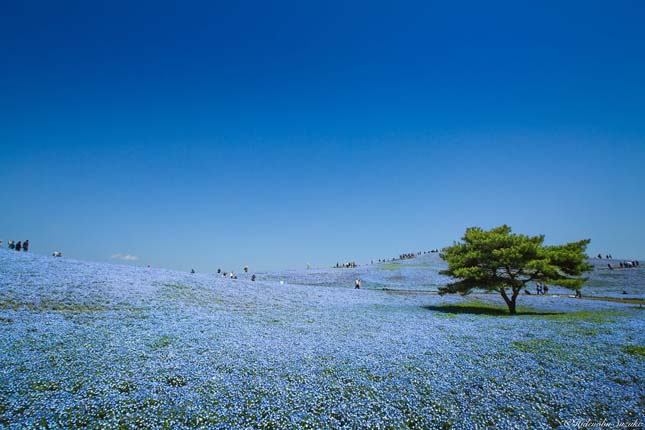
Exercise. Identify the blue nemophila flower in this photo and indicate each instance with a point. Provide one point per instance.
(88, 345)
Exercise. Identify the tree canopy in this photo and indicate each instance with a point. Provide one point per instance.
(505, 262)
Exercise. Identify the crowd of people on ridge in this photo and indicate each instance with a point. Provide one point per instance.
(404, 256)
(348, 265)
(622, 264)
(24, 246)
(625, 264)
(232, 275)
(17, 246)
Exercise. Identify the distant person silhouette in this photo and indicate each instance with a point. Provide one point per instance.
(19, 246)
(25, 246)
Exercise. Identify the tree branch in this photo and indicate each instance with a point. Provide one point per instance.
(502, 290)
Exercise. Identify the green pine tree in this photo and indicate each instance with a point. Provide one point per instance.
(498, 260)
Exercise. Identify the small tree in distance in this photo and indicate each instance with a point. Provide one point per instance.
(501, 261)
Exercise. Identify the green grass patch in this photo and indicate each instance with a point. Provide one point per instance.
(125, 387)
(534, 345)
(630, 301)
(577, 330)
(162, 342)
(543, 348)
(190, 296)
(479, 308)
(390, 266)
(447, 315)
(587, 316)
(51, 305)
(176, 291)
(637, 350)
(43, 386)
(399, 265)
(176, 287)
(395, 291)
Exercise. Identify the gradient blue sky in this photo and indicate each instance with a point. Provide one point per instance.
(277, 134)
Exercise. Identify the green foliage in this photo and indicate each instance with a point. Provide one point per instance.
(499, 260)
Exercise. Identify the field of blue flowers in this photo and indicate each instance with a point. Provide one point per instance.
(94, 345)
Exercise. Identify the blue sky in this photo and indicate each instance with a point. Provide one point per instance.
(277, 134)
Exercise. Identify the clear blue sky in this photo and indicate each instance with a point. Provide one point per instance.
(278, 134)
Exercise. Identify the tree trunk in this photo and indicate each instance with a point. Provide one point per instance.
(510, 302)
(511, 307)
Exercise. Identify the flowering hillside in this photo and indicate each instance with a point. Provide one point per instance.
(94, 345)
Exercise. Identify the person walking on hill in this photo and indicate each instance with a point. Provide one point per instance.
(19, 246)
(25, 246)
